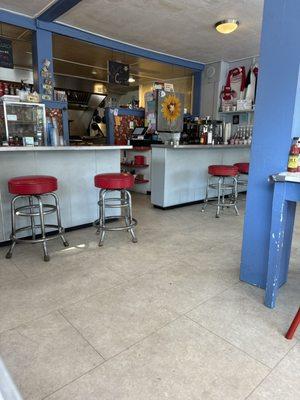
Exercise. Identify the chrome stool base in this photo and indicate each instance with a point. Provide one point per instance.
(223, 184)
(124, 203)
(33, 211)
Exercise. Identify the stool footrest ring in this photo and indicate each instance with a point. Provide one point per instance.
(47, 238)
(119, 228)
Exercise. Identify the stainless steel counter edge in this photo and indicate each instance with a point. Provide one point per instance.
(63, 148)
(202, 146)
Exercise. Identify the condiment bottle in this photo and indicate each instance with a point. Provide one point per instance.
(293, 156)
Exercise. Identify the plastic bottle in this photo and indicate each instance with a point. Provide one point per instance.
(293, 156)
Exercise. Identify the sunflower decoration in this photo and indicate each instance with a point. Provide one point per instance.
(171, 108)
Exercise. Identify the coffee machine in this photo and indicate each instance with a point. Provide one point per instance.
(202, 131)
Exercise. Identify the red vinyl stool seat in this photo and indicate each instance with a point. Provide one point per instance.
(222, 180)
(114, 181)
(223, 170)
(32, 184)
(33, 188)
(243, 167)
(108, 183)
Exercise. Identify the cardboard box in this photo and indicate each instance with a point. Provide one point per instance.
(244, 105)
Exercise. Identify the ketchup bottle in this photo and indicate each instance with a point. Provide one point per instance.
(293, 156)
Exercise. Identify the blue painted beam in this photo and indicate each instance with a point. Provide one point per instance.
(59, 8)
(197, 93)
(41, 50)
(276, 122)
(8, 17)
(98, 40)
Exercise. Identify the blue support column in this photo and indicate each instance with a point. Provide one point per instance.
(277, 120)
(196, 93)
(42, 50)
(110, 125)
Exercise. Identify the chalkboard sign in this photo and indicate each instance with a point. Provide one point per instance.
(118, 73)
(6, 53)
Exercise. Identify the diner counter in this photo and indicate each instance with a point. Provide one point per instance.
(179, 174)
(74, 167)
(202, 146)
(63, 148)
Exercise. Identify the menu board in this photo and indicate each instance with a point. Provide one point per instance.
(6, 53)
(118, 73)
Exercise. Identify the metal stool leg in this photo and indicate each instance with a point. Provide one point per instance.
(13, 228)
(219, 197)
(43, 231)
(235, 195)
(102, 217)
(97, 222)
(206, 195)
(129, 211)
(60, 228)
(223, 192)
(32, 222)
(124, 201)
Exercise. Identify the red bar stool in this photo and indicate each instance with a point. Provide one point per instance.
(34, 188)
(113, 182)
(243, 169)
(222, 178)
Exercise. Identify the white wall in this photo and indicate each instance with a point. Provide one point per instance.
(211, 87)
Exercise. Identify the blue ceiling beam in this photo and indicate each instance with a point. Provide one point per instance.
(98, 40)
(8, 17)
(59, 8)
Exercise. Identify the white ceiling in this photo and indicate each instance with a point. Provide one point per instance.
(184, 28)
(27, 7)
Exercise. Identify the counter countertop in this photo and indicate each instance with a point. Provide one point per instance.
(202, 146)
(63, 148)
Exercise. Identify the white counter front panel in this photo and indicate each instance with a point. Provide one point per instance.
(179, 175)
(75, 172)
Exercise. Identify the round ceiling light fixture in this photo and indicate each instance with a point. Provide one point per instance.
(226, 26)
(131, 79)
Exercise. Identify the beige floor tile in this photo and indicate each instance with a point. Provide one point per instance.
(133, 261)
(239, 316)
(29, 258)
(45, 354)
(27, 299)
(122, 316)
(181, 361)
(9, 271)
(181, 286)
(283, 383)
(117, 319)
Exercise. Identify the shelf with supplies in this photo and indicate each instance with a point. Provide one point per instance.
(138, 161)
(21, 122)
(129, 165)
(142, 148)
(236, 112)
(140, 181)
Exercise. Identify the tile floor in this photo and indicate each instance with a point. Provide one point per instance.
(166, 318)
